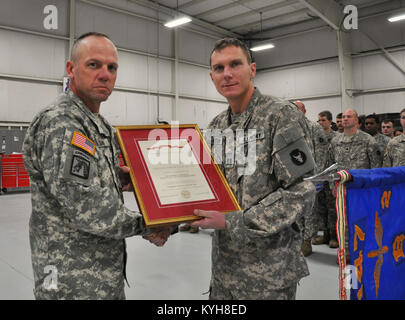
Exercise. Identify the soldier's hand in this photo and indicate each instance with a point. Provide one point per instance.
(159, 236)
(212, 220)
(125, 179)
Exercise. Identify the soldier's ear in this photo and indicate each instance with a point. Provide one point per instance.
(69, 68)
(252, 70)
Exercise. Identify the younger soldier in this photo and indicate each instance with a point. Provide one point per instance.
(325, 202)
(387, 128)
(395, 153)
(256, 252)
(309, 223)
(371, 127)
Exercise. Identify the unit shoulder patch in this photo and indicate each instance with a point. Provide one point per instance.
(80, 166)
(298, 157)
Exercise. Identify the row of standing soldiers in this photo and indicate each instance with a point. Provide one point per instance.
(351, 148)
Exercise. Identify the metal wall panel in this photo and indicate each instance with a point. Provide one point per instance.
(28, 55)
(30, 15)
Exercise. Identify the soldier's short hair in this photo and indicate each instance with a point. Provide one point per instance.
(73, 55)
(387, 121)
(326, 114)
(403, 110)
(339, 116)
(229, 42)
(373, 116)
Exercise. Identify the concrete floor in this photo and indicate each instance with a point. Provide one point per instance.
(178, 271)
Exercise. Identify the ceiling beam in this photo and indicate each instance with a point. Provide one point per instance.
(190, 4)
(170, 12)
(387, 55)
(223, 8)
(275, 19)
(300, 25)
(328, 10)
(274, 6)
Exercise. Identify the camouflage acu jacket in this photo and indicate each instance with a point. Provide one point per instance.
(261, 248)
(321, 146)
(394, 155)
(358, 151)
(382, 141)
(78, 219)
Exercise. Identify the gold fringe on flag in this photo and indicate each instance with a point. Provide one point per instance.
(341, 228)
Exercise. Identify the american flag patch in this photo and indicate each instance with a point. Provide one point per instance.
(83, 142)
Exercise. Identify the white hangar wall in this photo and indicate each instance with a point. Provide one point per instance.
(32, 62)
(305, 66)
(164, 74)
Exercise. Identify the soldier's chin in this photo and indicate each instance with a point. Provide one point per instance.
(101, 97)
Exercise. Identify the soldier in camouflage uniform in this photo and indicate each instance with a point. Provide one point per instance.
(387, 128)
(79, 222)
(354, 149)
(325, 202)
(339, 122)
(371, 127)
(309, 222)
(394, 155)
(256, 253)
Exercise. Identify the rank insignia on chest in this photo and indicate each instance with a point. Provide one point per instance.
(298, 157)
(81, 141)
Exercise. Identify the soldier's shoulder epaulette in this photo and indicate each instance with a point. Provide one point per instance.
(275, 105)
(397, 139)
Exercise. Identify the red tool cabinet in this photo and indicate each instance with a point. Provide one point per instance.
(13, 172)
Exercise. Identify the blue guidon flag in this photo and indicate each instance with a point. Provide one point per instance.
(371, 204)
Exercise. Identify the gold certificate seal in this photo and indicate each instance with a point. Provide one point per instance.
(186, 194)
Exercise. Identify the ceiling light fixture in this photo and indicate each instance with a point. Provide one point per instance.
(397, 18)
(177, 22)
(262, 47)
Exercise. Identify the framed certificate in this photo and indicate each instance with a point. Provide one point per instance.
(173, 173)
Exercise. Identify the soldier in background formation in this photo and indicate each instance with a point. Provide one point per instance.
(371, 127)
(394, 155)
(387, 128)
(339, 123)
(325, 210)
(256, 253)
(79, 223)
(309, 221)
(354, 149)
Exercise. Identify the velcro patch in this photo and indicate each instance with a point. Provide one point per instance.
(80, 167)
(81, 141)
(298, 157)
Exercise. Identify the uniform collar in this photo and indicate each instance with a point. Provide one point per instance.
(246, 115)
(94, 118)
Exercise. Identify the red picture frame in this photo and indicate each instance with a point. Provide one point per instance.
(173, 173)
